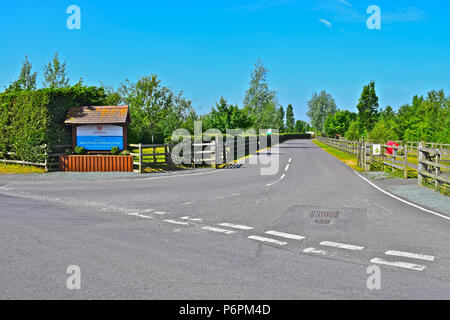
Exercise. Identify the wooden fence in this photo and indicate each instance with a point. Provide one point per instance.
(50, 161)
(431, 161)
(96, 163)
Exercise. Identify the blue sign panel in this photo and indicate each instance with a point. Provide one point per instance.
(97, 143)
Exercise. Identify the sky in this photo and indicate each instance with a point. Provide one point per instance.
(207, 49)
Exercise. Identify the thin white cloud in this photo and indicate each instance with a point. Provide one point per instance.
(325, 22)
(411, 14)
(345, 3)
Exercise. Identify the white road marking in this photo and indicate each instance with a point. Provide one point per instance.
(341, 245)
(236, 226)
(268, 240)
(149, 210)
(315, 251)
(281, 178)
(176, 222)
(409, 255)
(191, 219)
(290, 160)
(187, 203)
(287, 167)
(400, 199)
(145, 217)
(161, 213)
(285, 235)
(218, 230)
(133, 214)
(405, 265)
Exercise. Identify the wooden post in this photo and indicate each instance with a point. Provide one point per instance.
(141, 159)
(437, 183)
(405, 169)
(154, 156)
(214, 155)
(420, 166)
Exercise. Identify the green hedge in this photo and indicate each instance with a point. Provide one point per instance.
(31, 119)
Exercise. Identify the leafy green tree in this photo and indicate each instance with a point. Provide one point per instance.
(55, 74)
(300, 126)
(27, 79)
(260, 102)
(290, 120)
(339, 123)
(353, 131)
(321, 106)
(368, 107)
(156, 110)
(226, 116)
(383, 131)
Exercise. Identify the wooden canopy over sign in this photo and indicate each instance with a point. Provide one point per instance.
(98, 128)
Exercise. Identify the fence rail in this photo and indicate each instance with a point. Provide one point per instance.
(431, 161)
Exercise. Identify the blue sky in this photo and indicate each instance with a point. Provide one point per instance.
(208, 48)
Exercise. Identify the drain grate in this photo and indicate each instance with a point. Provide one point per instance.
(324, 214)
(324, 217)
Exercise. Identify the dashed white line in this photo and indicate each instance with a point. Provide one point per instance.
(236, 226)
(287, 167)
(290, 160)
(145, 217)
(315, 251)
(285, 235)
(149, 210)
(187, 203)
(191, 219)
(281, 178)
(177, 222)
(341, 245)
(218, 230)
(410, 255)
(405, 265)
(133, 214)
(268, 240)
(161, 213)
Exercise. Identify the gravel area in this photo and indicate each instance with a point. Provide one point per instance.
(377, 175)
(423, 196)
(92, 176)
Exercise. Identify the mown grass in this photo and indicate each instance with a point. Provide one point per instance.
(349, 160)
(19, 169)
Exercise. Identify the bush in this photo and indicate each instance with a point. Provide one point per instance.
(32, 121)
(115, 151)
(79, 151)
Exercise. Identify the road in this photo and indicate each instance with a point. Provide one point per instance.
(309, 232)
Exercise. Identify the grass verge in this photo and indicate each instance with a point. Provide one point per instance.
(352, 162)
(19, 169)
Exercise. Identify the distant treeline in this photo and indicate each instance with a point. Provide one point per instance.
(156, 110)
(425, 119)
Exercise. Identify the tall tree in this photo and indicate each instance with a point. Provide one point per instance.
(260, 102)
(368, 107)
(321, 106)
(290, 119)
(281, 116)
(55, 74)
(27, 79)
